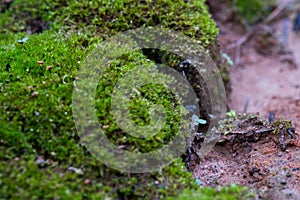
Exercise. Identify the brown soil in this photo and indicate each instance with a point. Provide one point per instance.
(253, 154)
(266, 80)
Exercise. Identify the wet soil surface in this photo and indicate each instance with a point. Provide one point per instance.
(266, 80)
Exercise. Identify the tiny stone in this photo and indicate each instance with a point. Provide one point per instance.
(271, 117)
(106, 126)
(255, 169)
(295, 169)
(49, 67)
(7, 67)
(34, 94)
(76, 170)
(40, 160)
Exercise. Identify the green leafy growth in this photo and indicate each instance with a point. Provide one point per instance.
(232, 192)
(105, 18)
(255, 10)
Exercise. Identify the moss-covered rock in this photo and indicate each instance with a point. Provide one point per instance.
(41, 156)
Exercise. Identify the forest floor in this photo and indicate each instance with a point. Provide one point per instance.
(265, 79)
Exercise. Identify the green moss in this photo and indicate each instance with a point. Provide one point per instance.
(104, 18)
(255, 10)
(232, 192)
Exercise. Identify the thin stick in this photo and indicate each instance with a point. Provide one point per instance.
(237, 59)
(271, 17)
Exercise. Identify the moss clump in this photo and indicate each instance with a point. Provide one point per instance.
(104, 18)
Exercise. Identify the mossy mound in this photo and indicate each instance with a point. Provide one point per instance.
(41, 156)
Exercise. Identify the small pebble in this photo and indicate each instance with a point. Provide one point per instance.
(76, 170)
(186, 63)
(198, 182)
(121, 147)
(34, 94)
(295, 169)
(7, 67)
(40, 160)
(49, 67)
(106, 126)
(271, 117)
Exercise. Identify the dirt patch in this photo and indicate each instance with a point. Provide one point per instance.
(267, 77)
(263, 166)
(36, 25)
(266, 80)
(254, 153)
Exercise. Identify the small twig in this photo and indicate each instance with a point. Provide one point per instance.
(276, 12)
(241, 41)
(246, 106)
(248, 35)
(245, 37)
(237, 59)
